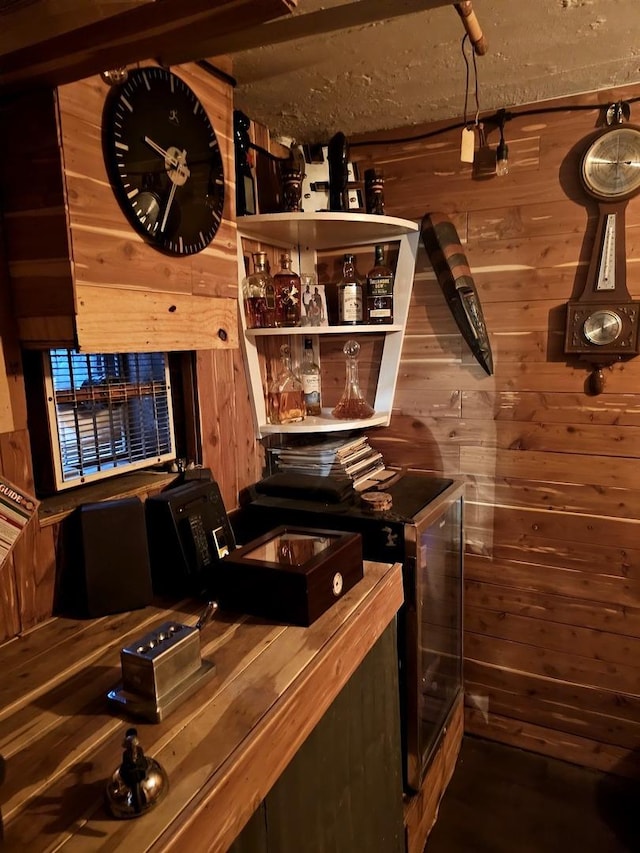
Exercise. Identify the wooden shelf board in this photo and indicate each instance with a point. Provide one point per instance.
(327, 424)
(324, 330)
(327, 230)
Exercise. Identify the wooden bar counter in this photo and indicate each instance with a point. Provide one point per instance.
(223, 748)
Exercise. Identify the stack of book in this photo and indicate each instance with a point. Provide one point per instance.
(342, 459)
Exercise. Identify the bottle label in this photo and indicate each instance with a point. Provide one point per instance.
(311, 387)
(380, 311)
(381, 286)
(351, 303)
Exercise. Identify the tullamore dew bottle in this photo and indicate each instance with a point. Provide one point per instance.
(380, 290)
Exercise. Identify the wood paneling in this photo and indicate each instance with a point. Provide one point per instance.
(421, 811)
(552, 527)
(76, 263)
(92, 280)
(228, 446)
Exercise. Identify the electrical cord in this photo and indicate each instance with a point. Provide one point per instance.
(496, 118)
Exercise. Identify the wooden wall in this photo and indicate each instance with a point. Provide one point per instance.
(552, 610)
(107, 250)
(80, 274)
(28, 577)
(552, 545)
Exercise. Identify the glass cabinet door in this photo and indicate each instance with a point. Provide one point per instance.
(439, 626)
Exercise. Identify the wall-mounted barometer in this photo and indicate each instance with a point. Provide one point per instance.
(602, 324)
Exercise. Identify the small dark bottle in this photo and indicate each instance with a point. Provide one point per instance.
(245, 187)
(374, 191)
(338, 157)
(380, 291)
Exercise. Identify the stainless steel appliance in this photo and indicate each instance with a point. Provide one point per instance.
(423, 530)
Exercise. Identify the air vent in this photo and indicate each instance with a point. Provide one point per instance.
(108, 413)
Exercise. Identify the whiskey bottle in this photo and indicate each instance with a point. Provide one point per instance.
(350, 293)
(310, 376)
(285, 402)
(254, 293)
(380, 290)
(287, 294)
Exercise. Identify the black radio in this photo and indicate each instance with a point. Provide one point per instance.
(188, 532)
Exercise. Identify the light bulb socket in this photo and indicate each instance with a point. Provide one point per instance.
(502, 158)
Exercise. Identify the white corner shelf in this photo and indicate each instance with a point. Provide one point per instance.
(308, 331)
(305, 234)
(325, 230)
(326, 423)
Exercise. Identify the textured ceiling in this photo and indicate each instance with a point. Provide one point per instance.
(411, 69)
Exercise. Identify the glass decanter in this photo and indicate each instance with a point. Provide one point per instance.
(285, 400)
(352, 405)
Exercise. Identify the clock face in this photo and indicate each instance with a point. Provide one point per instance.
(611, 164)
(164, 161)
(602, 327)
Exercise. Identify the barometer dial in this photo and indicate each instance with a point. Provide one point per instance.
(603, 327)
(611, 164)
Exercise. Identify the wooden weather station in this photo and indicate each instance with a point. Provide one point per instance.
(602, 323)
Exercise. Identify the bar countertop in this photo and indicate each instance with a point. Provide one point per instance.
(222, 748)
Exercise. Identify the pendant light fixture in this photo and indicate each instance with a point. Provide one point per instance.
(502, 151)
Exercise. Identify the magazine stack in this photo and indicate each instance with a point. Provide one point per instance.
(346, 459)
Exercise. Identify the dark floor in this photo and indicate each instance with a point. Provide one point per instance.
(506, 800)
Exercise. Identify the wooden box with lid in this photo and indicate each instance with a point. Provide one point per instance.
(291, 574)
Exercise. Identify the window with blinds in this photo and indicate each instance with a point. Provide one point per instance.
(108, 413)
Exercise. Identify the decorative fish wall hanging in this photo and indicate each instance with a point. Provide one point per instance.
(442, 244)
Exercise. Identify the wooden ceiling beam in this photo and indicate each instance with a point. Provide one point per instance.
(144, 30)
(311, 24)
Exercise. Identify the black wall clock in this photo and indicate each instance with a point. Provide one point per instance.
(602, 324)
(164, 161)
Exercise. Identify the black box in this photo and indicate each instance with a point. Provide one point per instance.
(189, 532)
(291, 574)
(107, 560)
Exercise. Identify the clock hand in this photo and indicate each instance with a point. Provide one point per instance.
(178, 178)
(168, 207)
(172, 157)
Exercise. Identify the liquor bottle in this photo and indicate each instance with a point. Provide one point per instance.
(287, 287)
(350, 292)
(285, 401)
(352, 405)
(338, 157)
(245, 187)
(310, 376)
(374, 191)
(380, 290)
(254, 294)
